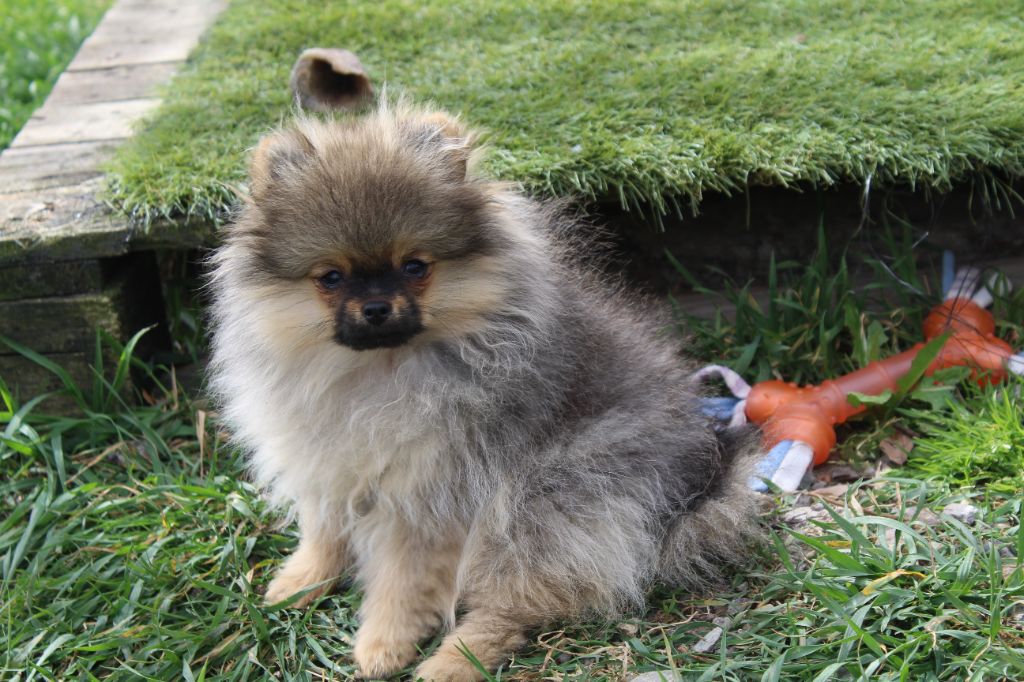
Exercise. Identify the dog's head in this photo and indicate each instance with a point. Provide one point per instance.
(369, 232)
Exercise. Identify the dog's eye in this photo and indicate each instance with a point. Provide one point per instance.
(414, 268)
(330, 280)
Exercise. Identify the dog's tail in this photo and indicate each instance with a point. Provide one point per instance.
(720, 528)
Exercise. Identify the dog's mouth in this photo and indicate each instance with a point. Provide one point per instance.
(369, 338)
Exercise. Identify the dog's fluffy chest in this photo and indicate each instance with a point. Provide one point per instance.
(370, 442)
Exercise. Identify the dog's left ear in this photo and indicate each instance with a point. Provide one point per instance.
(275, 156)
(439, 132)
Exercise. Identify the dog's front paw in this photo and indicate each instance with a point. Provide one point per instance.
(289, 581)
(379, 657)
(447, 665)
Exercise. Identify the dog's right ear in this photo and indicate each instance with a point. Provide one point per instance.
(440, 132)
(275, 156)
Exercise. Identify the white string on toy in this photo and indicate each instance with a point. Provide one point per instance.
(736, 385)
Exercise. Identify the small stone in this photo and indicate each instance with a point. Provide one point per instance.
(890, 536)
(926, 516)
(738, 605)
(798, 515)
(628, 629)
(833, 492)
(963, 512)
(657, 676)
(708, 641)
(801, 515)
(896, 447)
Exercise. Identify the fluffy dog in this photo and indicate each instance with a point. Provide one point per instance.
(487, 432)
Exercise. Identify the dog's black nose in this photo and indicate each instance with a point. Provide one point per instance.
(376, 312)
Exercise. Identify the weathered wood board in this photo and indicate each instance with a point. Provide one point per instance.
(30, 169)
(51, 176)
(126, 298)
(112, 84)
(26, 379)
(92, 122)
(61, 324)
(62, 278)
(146, 33)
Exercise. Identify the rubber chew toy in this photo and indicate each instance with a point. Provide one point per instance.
(798, 423)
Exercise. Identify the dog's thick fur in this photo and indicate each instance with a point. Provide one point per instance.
(532, 453)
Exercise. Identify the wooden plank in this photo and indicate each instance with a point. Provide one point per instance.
(60, 325)
(119, 50)
(704, 306)
(43, 167)
(83, 122)
(64, 223)
(21, 211)
(110, 84)
(74, 156)
(155, 16)
(39, 280)
(63, 328)
(163, 31)
(69, 223)
(130, 301)
(26, 379)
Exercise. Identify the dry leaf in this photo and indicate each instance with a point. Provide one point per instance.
(835, 492)
(896, 447)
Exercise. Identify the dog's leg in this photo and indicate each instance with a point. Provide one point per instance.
(410, 591)
(321, 556)
(491, 637)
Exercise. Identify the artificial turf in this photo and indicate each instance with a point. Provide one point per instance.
(646, 103)
(37, 40)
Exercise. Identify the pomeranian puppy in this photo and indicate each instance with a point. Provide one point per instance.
(486, 431)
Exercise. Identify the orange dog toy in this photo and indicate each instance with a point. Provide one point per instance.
(810, 414)
(799, 422)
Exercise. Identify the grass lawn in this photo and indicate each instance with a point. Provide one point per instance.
(37, 40)
(640, 102)
(132, 547)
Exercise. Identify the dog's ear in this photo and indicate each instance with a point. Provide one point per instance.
(451, 127)
(439, 132)
(275, 156)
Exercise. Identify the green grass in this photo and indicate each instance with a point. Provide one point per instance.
(645, 103)
(132, 547)
(37, 40)
(812, 320)
(980, 442)
(130, 552)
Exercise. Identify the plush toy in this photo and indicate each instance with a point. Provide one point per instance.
(798, 423)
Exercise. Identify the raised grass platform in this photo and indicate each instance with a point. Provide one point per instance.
(640, 103)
